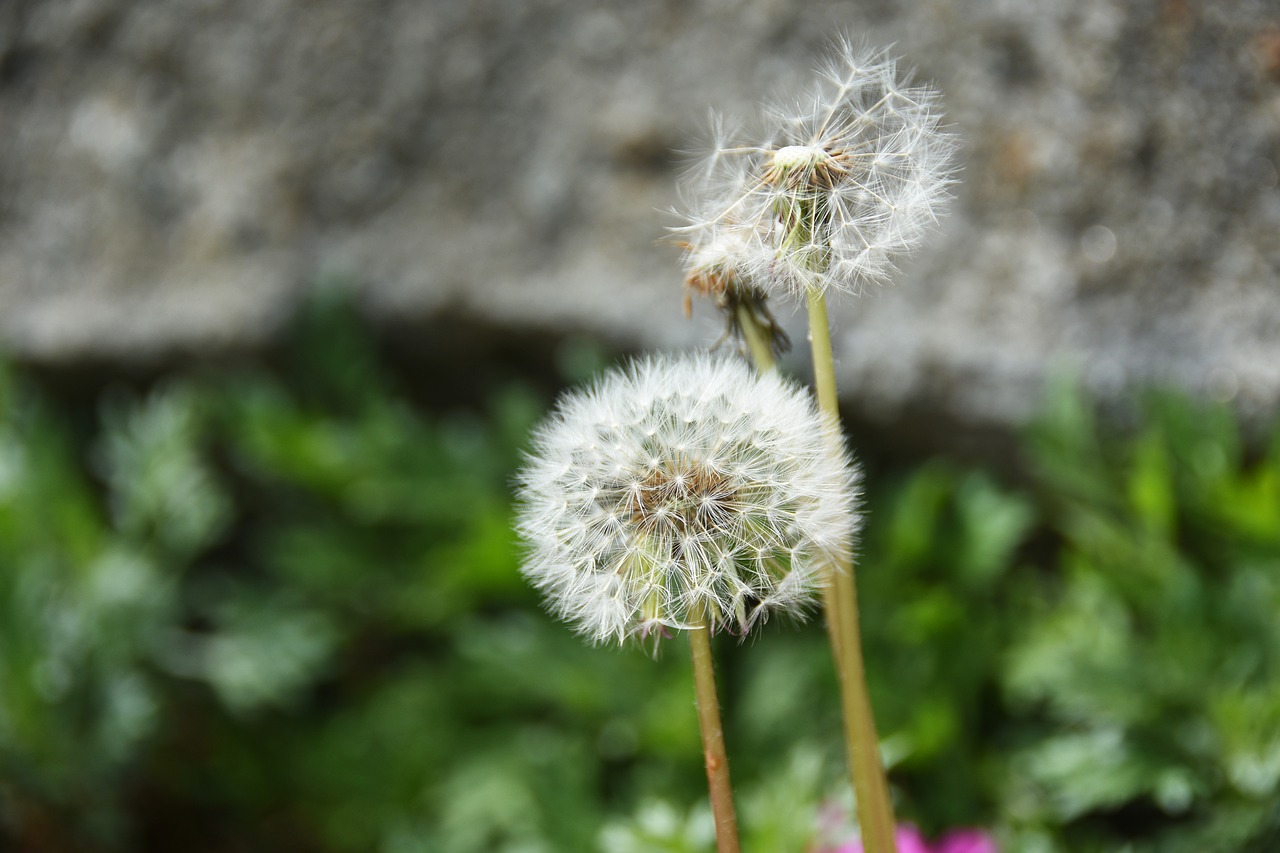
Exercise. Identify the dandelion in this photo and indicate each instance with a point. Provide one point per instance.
(838, 186)
(690, 494)
(681, 489)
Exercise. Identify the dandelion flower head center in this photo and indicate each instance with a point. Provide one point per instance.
(810, 166)
(685, 498)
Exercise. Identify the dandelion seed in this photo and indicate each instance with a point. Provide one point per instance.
(837, 187)
(652, 496)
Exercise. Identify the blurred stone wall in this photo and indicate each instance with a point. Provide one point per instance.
(175, 173)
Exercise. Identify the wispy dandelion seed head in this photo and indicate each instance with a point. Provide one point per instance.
(679, 486)
(837, 186)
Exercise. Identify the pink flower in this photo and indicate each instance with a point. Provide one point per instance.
(910, 841)
(965, 841)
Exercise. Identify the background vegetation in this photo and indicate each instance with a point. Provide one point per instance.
(277, 607)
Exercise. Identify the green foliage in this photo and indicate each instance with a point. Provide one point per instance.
(89, 595)
(1152, 663)
(279, 608)
(939, 588)
(776, 812)
(290, 603)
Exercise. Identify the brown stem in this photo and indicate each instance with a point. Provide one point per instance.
(717, 760)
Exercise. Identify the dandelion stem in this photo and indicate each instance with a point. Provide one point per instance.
(824, 361)
(712, 735)
(871, 788)
(757, 340)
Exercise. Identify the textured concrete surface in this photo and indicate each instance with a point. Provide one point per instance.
(174, 174)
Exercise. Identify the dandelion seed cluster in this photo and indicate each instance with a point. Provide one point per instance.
(683, 486)
(835, 188)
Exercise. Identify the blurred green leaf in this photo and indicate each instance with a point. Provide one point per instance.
(280, 607)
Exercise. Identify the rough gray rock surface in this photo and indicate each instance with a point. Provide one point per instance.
(174, 173)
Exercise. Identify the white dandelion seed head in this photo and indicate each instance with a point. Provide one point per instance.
(839, 185)
(684, 485)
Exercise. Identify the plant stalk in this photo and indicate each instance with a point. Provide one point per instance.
(757, 340)
(871, 787)
(713, 751)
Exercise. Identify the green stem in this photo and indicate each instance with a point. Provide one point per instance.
(713, 751)
(824, 360)
(871, 787)
(757, 340)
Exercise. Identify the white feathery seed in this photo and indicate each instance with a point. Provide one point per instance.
(684, 485)
(834, 190)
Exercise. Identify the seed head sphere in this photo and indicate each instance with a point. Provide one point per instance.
(832, 188)
(684, 488)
